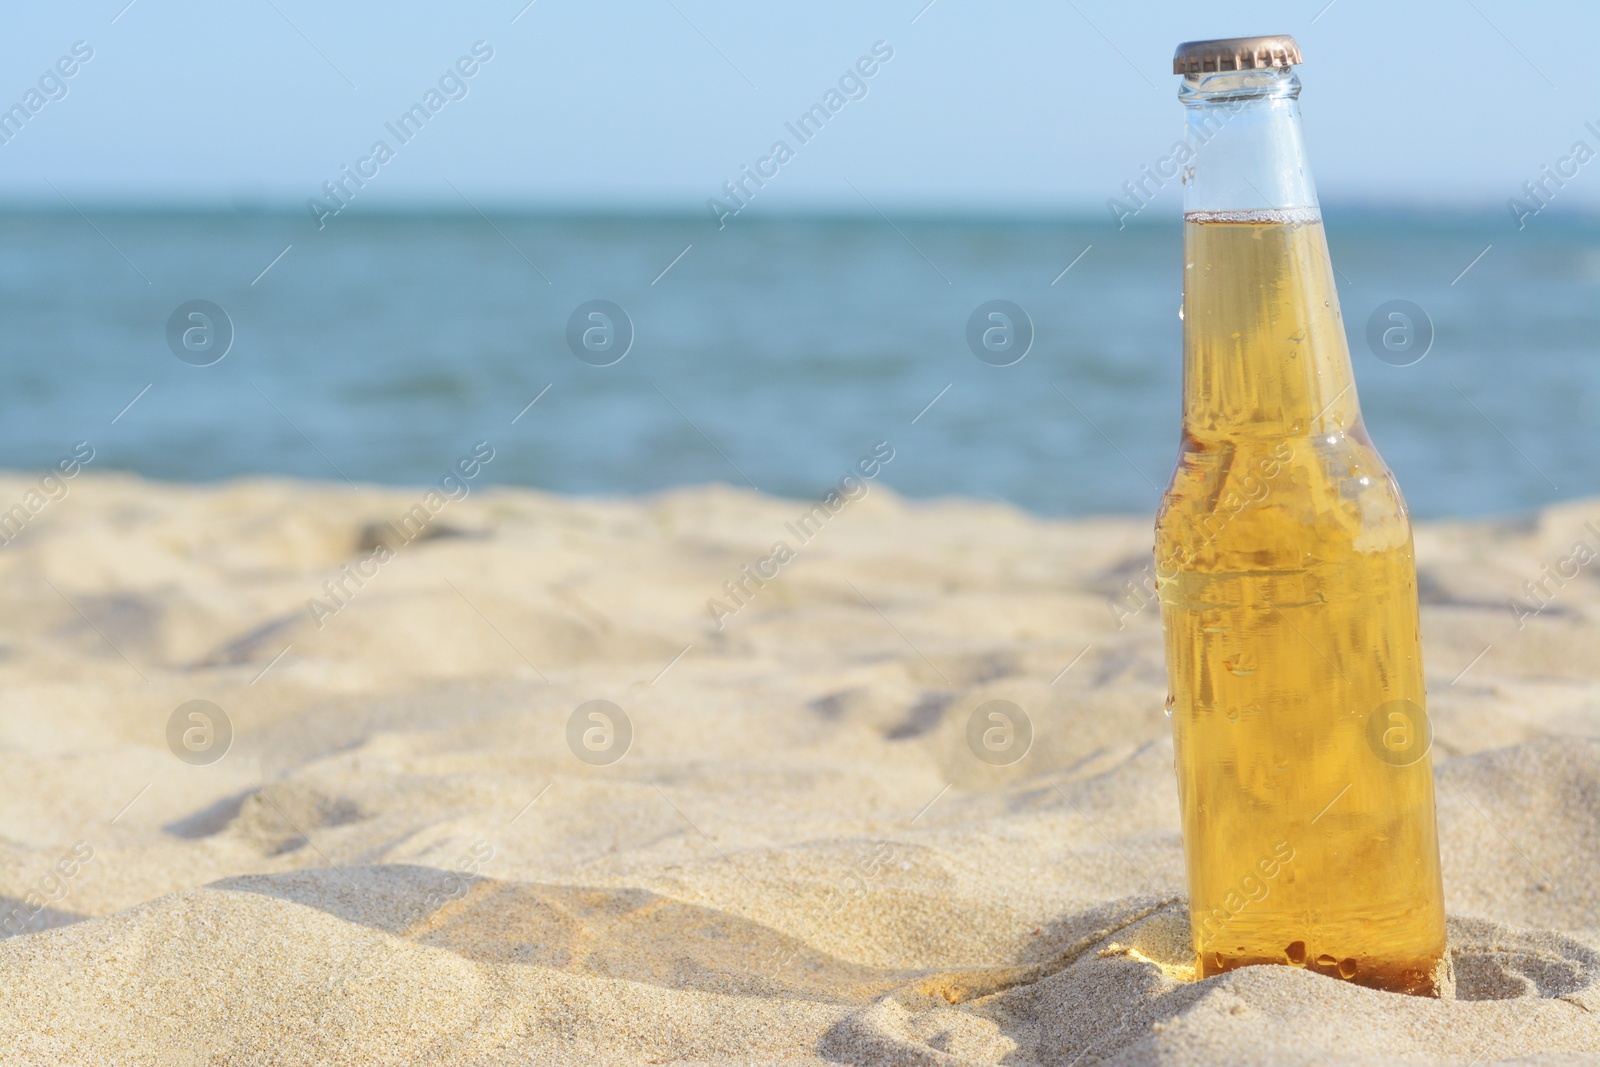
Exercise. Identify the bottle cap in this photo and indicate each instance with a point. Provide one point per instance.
(1235, 53)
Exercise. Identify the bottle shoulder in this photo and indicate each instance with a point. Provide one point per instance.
(1265, 497)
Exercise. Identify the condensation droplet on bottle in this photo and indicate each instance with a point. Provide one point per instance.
(1295, 953)
(1326, 960)
(1347, 968)
(1171, 702)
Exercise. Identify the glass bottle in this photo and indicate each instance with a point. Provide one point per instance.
(1286, 578)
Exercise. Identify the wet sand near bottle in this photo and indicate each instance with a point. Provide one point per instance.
(800, 859)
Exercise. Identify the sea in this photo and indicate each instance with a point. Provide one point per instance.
(1034, 361)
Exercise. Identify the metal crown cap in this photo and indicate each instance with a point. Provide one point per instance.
(1235, 53)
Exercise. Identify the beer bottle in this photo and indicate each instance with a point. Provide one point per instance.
(1287, 583)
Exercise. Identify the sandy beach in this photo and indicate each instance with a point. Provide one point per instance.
(400, 833)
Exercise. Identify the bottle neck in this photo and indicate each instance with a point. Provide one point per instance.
(1265, 356)
(1247, 149)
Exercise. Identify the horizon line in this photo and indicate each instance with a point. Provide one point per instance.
(548, 209)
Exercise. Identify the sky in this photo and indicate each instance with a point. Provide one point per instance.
(654, 104)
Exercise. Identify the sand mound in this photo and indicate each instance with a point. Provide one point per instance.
(781, 842)
(1122, 995)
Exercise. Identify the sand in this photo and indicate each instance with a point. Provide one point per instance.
(798, 859)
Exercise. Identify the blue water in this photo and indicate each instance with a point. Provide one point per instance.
(773, 353)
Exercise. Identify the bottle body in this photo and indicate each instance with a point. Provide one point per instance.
(1288, 596)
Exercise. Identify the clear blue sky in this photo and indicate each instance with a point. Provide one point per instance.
(655, 103)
